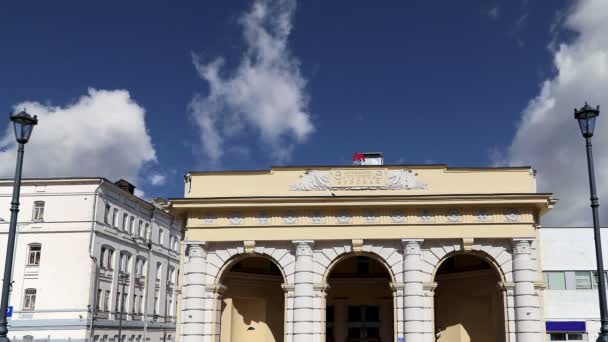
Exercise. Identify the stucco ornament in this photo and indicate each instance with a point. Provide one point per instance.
(235, 218)
(483, 215)
(316, 217)
(344, 216)
(426, 216)
(313, 180)
(512, 215)
(454, 215)
(263, 218)
(290, 217)
(403, 180)
(208, 219)
(372, 216)
(397, 216)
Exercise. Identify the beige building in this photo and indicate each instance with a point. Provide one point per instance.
(362, 254)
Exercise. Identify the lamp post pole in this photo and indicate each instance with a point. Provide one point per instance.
(586, 118)
(122, 278)
(24, 124)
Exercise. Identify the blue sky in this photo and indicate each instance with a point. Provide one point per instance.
(423, 81)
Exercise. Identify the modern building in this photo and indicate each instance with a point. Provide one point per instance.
(362, 253)
(571, 297)
(75, 237)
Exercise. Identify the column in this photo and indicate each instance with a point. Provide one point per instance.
(213, 312)
(413, 305)
(398, 304)
(289, 299)
(429, 312)
(527, 304)
(319, 314)
(194, 319)
(303, 312)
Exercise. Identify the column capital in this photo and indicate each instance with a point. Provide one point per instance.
(303, 247)
(288, 288)
(412, 246)
(215, 288)
(429, 289)
(396, 287)
(505, 287)
(522, 245)
(195, 248)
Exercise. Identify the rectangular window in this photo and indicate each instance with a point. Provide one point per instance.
(141, 304)
(117, 307)
(132, 225)
(140, 228)
(556, 280)
(33, 258)
(29, 301)
(124, 302)
(125, 219)
(106, 217)
(38, 214)
(115, 218)
(583, 280)
(156, 304)
(134, 309)
(147, 231)
(595, 279)
(562, 336)
(109, 260)
(161, 236)
(106, 302)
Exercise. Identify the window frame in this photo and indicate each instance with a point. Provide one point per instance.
(106, 216)
(38, 211)
(38, 254)
(29, 299)
(115, 216)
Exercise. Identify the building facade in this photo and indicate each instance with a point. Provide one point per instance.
(362, 254)
(74, 238)
(569, 269)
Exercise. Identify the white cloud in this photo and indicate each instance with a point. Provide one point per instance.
(494, 13)
(548, 137)
(265, 94)
(103, 133)
(157, 179)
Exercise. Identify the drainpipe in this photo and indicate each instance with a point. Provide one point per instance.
(94, 260)
(146, 289)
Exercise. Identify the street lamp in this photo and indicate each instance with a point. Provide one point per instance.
(586, 119)
(24, 124)
(123, 279)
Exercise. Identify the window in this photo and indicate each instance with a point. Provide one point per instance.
(107, 258)
(567, 336)
(140, 267)
(595, 279)
(140, 228)
(28, 338)
(98, 299)
(33, 257)
(106, 302)
(141, 304)
(110, 259)
(124, 302)
(38, 214)
(106, 218)
(115, 218)
(132, 225)
(171, 242)
(135, 304)
(161, 236)
(147, 232)
(555, 280)
(125, 262)
(171, 276)
(29, 301)
(117, 308)
(159, 271)
(156, 303)
(583, 280)
(125, 219)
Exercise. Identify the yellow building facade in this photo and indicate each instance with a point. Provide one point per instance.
(361, 254)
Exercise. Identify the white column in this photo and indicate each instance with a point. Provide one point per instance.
(303, 310)
(429, 312)
(413, 305)
(194, 318)
(289, 300)
(528, 326)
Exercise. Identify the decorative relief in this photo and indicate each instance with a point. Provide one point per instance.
(263, 218)
(454, 215)
(290, 217)
(412, 246)
(208, 219)
(426, 216)
(483, 215)
(512, 215)
(521, 246)
(316, 217)
(371, 217)
(235, 218)
(397, 216)
(344, 216)
(358, 179)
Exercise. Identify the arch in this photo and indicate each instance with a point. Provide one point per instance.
(478, 253)
(348, 255)
(240, 257)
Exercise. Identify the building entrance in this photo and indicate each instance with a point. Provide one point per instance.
(359, 302)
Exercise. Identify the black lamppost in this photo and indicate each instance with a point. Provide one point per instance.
(123, 279)
(24, 124)
(586, 120)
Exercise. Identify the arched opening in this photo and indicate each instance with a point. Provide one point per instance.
(468, 305)
(253, 302)
(359, 302)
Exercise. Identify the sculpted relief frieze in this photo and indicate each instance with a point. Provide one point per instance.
(358, 179)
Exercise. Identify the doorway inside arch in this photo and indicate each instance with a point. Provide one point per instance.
(359, 302)
(253, 302)
(468, 304)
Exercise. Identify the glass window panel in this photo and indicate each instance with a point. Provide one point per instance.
(557, 280)
(372, 332)
(583, 280)
(575, 337)
(558, 337)
(372, 314)
(354, 313)
(354, 332)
